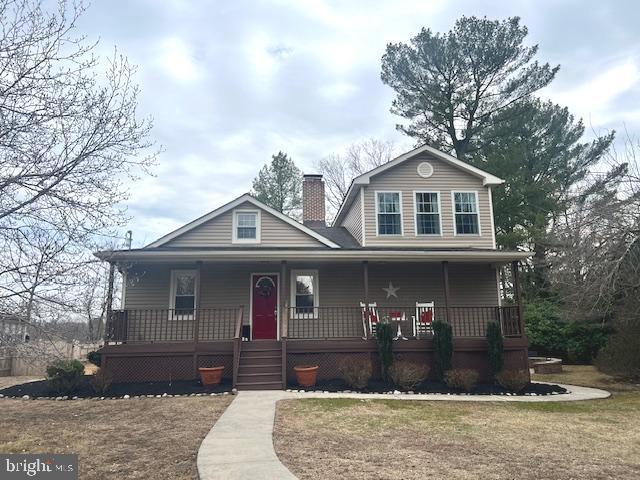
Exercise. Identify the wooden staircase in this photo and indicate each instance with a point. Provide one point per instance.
(260, 366)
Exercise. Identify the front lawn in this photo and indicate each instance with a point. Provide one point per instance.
(139, 438)
(387, 439)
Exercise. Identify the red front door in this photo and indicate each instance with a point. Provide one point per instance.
(264, 307)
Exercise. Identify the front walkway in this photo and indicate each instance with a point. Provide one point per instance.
(240, 444)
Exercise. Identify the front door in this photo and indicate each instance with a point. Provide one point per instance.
(264, 307)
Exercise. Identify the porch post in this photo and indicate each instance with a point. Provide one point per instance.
(196, 318)
(517, 293)
(447, 296)
(284, 290)
(109, 308)
(365, 272)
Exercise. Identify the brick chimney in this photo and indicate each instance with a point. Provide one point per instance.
(313, 212)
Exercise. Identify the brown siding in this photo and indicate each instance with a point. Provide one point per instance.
(353, 219)
(445, 179)
(218, 232)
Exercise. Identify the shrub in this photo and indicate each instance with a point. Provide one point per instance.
(461, 379)
(496, 347)
(356, 373)
(442, 347)
(64, 376)
(407, 375)
(384, 335)
(101, 381)
(621, 356)
(584, 341)
(544, 328)
(577, 342)
(513, 380)
(94, 357)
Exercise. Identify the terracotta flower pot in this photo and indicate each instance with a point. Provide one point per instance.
(306, 375)
(210, 376)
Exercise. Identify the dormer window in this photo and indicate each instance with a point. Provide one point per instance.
(389, 213)
(246, 226)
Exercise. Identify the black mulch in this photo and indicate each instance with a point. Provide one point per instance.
(181, 387)
(378, 386)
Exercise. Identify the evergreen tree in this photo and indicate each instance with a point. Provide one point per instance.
(279, 185)
(546, 166)
(454, 86)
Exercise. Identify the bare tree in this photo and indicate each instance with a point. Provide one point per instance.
(358, 158)
(70, 142)
(595, 242)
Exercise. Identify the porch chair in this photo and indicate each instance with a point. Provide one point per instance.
(370, 319)
(423, 321)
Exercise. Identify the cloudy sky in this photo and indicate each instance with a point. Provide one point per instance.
(228, 83)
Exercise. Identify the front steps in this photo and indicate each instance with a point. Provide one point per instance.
(260, 365)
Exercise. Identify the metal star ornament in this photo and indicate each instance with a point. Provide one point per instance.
(391, 290)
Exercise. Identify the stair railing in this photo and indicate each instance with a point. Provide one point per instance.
(237, 345)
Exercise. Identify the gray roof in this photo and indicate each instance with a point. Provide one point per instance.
(339, 235)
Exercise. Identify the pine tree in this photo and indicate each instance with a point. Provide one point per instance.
(279, 185)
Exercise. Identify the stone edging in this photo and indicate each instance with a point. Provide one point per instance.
(574, 393)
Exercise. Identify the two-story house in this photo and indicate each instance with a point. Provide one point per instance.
(413, 242)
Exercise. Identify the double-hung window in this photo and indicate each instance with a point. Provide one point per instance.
(304, 293)
(389, 213)
(183, 293)
(466, 213)
(427, 213)
(246, 226)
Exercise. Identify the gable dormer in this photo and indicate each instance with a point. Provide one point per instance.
(424, 198)
(244, 222)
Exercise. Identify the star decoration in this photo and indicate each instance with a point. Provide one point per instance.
(391, 290)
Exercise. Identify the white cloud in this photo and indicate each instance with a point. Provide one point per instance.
(338, 91)
(177, 60)
(594, 97)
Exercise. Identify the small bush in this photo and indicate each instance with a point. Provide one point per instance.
(384, 335)
(461, 379)
(64, 376)
(513, 380)
(356, 373)
(442, 347)
(94, 357)
(101, 381)
(496, 347)
(407, 375)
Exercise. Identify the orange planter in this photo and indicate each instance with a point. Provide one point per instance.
(210, 376)
(306, 375)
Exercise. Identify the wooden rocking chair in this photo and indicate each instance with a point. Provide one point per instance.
(423, 321)
(370, 319)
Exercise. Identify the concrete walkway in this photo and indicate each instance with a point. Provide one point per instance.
(240, 444)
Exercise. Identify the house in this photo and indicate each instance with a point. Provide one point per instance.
(417, 230)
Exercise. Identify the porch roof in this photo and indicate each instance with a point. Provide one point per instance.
(252, 254)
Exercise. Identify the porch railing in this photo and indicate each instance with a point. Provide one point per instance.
(347, 322)
(171, 325)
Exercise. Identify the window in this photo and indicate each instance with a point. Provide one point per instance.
(246, 226)
(304, 293)
(427, 213)
(183, 293)
(466, 213)
(389, 213)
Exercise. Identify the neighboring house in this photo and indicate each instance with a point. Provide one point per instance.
(417, 230)
(13, 330)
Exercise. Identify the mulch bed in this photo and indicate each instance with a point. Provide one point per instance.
(378, 386)
(41, 389)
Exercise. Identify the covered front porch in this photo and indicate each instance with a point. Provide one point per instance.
(302, 312)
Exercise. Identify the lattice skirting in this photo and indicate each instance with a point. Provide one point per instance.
(153, 368)
(329, 362)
